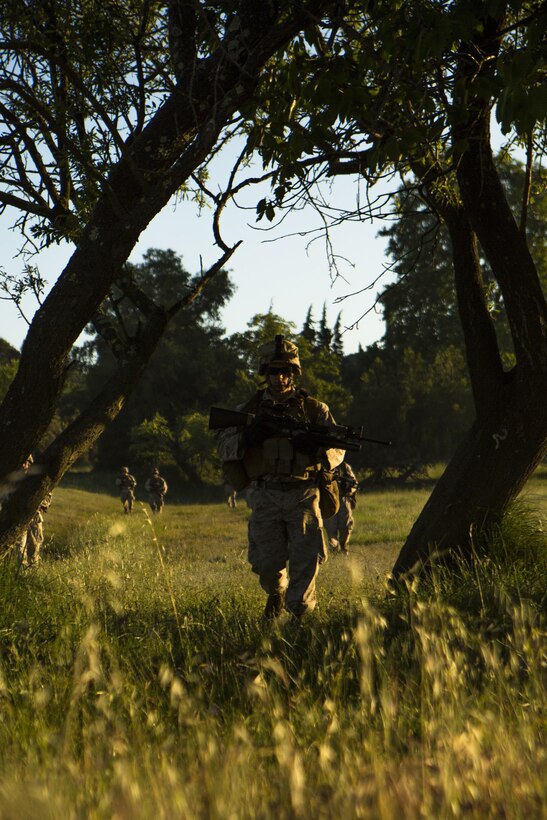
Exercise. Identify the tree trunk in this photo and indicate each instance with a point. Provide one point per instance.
(488, 471)
(189, 471)
(509, 437)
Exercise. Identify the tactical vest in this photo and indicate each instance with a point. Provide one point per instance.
(157, 485)
(276, 456)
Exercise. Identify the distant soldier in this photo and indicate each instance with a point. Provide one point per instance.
(339, 527)
(127, 483)
(156, 487)
(230, 495)
(31, 541)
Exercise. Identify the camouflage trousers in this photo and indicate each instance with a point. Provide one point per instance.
(339, 527)
(127, 497)
(230, 495)
(31, 542)
(156, 502)
(286, 542)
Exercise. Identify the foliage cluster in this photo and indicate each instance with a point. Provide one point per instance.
(138, 679)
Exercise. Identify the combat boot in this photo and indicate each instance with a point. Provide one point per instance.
(274, 605)
(344, 546)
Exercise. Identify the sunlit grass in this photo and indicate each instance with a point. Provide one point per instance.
(138, 680)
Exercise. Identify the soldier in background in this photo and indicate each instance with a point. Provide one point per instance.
(156, 487)
(230, 495)
(31, 541)
(286, 542)
(339, 527)
(127, 483)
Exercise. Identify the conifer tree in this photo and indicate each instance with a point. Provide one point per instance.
(308, 331)
(324, 334)
(337, 342)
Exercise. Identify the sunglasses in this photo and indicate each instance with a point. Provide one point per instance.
(278, 371)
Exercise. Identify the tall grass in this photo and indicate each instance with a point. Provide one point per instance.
(137, 678)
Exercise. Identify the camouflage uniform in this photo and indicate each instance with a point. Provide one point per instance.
(230, 495)
(156, 487)
(33, 538)
(286, 542)
(27, 550)
(127, 483)
(339, 527)
(229, 492)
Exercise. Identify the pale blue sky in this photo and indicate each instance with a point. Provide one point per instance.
(289, 273)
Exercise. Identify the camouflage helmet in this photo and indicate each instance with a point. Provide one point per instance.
(124, 469)
(279, 353)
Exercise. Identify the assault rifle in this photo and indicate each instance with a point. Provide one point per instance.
(279, 424)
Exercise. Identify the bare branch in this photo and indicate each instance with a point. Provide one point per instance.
(195, 291)
(24, 205)
(136, 294)
(107, 330)
(30, 147)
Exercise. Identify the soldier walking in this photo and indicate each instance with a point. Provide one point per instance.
(286, 542)
(127, 483)
(230, 495)
(156, 487)
(32, 539)
(339, 527)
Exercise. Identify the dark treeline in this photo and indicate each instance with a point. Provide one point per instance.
(411, 387)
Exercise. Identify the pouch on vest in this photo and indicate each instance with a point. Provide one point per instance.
(278, 454)
(253, 462)
(329, 495)
(236, 474)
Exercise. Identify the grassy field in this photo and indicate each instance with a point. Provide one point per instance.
(137, 678)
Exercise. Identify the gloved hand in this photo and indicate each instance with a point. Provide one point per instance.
(258, 431)
(304, 442)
